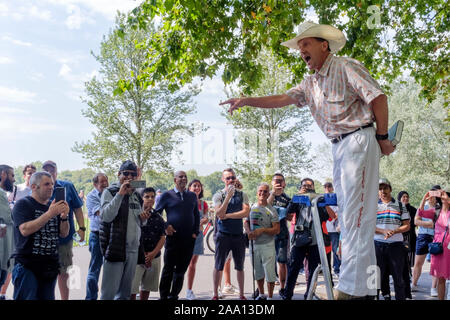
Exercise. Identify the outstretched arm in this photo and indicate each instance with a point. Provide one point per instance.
(276, 101)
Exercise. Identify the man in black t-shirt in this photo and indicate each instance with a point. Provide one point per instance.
(38, 225)
(280, 201)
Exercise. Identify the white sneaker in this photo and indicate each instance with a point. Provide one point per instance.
(229, 289)
(414, 288)
(190, 295)
(433, 292)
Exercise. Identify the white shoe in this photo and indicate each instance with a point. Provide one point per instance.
(414, 288)
(229, 289)
(433, 292)
(190, 295)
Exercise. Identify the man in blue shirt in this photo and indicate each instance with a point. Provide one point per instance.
(183, 219)
(66, 244)
(93, 205)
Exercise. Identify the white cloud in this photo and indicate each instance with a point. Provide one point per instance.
(6, 60)
(36, 76)
(41, 14)
(16, 41)
(4, 10)
(10, 110)
(64, 72)
(16, 95)
(108, 8)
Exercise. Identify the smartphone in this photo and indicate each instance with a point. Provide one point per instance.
(60, 194)
(138, 184)
(435, 193)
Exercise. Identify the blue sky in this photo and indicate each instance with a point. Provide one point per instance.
(45, 59)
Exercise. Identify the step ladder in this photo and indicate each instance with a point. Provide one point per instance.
(315, 201)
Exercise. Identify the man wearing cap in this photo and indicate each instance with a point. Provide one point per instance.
(345, 101)
(66, 244)
(120, 233)
(392, 221)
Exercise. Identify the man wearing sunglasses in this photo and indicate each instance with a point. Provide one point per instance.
(120, 233)
(231, 206)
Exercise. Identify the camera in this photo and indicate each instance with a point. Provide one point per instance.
(299, 228)
(137, 184)
(435, 193)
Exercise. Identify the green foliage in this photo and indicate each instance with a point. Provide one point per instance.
(144, 123)
(198, 38)
(422, 158)
(271, 140)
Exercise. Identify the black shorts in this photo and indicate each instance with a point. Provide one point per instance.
(225, 243)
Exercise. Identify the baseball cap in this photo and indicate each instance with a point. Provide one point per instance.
(384, 181)
(128, 165)
(49, 163)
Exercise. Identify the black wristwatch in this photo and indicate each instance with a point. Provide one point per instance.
(382, 136)
(82, 228)
(64, 219)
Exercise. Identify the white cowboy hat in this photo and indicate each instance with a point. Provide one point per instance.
(335, 37)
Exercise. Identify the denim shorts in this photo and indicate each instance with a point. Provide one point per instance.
(226, 243)
(422, 243)
(281, 247)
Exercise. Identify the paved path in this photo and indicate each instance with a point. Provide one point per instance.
(203, 280)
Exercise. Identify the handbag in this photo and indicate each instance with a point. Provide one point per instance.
(302, 238)
(437, 248)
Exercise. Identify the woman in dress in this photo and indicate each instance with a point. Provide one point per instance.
(440, 263)
(196, 187)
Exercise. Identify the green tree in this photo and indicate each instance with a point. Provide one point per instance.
(141, 123)
(197, 38)
(271, 139)
(422, 158)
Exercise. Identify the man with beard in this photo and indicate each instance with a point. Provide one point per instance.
(6, 223)
(19, 191)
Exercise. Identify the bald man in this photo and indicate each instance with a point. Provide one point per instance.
(181, 230)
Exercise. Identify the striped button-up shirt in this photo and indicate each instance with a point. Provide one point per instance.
(339, 95)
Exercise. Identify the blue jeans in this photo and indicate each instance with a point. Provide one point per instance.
(28, 287)
(3, 274)
(94, 266)
(334, 236)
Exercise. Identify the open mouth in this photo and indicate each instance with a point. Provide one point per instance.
(307, 58)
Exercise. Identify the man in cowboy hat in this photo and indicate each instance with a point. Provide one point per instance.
(345, 101)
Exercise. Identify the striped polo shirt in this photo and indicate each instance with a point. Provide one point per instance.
(389, 217)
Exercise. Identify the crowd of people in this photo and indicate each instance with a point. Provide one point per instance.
(129, 227)
(350, 108)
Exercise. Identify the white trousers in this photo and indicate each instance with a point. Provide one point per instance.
(355, 175)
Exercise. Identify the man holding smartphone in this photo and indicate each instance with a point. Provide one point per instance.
(38, 226)
(120, 233)
(231, 207)
(66, 244)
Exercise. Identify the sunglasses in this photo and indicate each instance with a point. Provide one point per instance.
(230, 178)
(129, 173)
